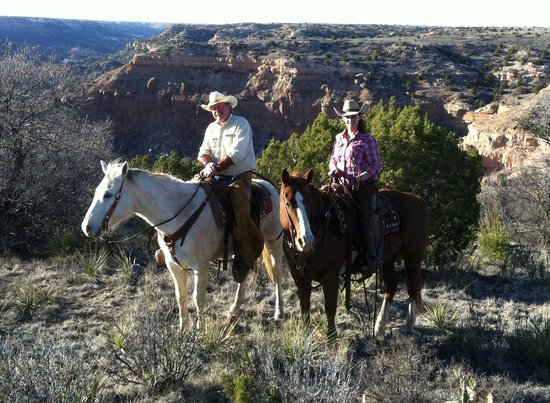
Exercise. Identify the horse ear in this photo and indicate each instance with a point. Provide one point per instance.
(125, 168)
(285, 176)
(104, 166)
(308, 175)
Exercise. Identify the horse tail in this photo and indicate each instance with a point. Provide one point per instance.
(266, 255)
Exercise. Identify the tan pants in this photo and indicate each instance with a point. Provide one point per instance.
(245, 231)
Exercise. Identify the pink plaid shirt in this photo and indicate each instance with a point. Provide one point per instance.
(352, 156)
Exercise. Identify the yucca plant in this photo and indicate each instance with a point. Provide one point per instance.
(123, 261)
(440, 316)
(155, 354)
(92, 261)
(29, 299)
(299, 338)
(214, 334)
(533, 342)
(120, 335)
(62, 244)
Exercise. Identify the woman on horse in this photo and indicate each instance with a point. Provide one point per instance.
(355, 162)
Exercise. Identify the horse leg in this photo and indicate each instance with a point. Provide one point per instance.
(199, 290)
(390, 287)
(273, 258)
(414, 285)
(235, 307)
(304, 294)
(179, 275)
(330, 292)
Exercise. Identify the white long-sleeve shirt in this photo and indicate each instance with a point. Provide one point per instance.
(234, 139)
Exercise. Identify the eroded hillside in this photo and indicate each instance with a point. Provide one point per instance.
(285, 74)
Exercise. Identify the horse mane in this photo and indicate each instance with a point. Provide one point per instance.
(134, 173)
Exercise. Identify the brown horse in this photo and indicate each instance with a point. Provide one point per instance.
(316, 248)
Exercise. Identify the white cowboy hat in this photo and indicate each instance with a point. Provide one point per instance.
(216, 97)
(351, 107)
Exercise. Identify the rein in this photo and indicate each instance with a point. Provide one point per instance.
(105, 223)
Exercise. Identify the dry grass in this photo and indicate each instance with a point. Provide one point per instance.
(119, 341)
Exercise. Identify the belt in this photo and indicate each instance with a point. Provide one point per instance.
(227, 179)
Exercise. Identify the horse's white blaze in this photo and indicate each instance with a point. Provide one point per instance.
(91, 225)
(104, 197)
(306, 239)
(157, 198)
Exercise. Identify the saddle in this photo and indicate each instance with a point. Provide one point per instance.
(222, 209)
(346, 214)
(387, 213)
(260, 203)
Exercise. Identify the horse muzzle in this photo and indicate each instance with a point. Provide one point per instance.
(91, 232)
(304, 245)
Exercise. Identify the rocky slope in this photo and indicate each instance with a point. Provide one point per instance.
(285, 74)
(494, 131)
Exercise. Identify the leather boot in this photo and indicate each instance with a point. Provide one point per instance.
(240, 268)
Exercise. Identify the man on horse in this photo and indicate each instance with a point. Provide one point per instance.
(356, 163)
(227, 154)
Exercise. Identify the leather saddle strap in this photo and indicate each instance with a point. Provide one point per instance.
(181, 233)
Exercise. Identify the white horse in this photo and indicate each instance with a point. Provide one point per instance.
(168, 203)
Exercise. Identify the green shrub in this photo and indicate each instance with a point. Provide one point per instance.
(238, 388)
(183, 168)
(493, 239)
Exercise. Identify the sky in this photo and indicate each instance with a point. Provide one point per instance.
(471, 13)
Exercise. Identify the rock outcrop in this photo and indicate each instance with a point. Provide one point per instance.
(154, 102)
(494, 131)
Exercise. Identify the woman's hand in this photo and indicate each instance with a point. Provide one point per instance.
(362, 177)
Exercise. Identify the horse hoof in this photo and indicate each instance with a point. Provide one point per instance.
(279, 315)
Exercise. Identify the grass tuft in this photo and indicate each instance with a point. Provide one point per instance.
(92, 261)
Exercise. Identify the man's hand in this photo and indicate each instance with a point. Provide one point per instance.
(208, 170)
(332, 172)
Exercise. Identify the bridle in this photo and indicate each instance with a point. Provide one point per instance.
(300, 258)
(105, 222)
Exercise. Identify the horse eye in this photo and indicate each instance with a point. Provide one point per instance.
(107, 195)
